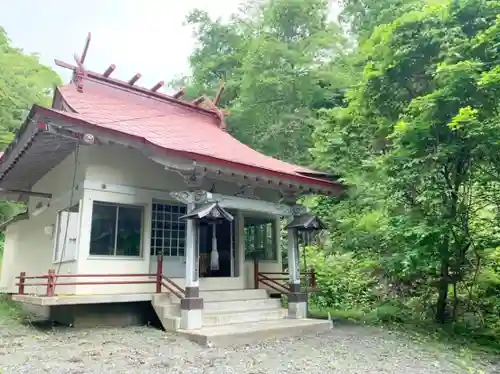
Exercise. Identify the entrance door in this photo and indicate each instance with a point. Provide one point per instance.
(225, 248)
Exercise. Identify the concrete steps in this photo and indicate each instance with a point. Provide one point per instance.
(167, 311)
(217, 319)
(236, 317)
(252, 332)
(240, 305)
(222, 308)
(209, 296)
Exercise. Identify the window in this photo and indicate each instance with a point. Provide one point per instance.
(168, 232)
(260, 239)
(116, 230)
(66, 232)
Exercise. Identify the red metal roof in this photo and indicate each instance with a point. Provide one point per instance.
(169, 124)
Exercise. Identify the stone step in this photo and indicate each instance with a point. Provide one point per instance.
(252, 332)
(162, 298)
(240, 305)
(250, 294)
(216, 319)
(169, 316)
(173, 310)
(171, 323)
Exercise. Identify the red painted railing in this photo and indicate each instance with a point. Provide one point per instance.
(163, 281)
(278, 281)
(51, 280)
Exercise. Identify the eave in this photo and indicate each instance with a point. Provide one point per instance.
(32, 154)
(71, 125)
(49, 136)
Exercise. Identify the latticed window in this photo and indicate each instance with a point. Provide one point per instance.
(168, 232)
(260, 239)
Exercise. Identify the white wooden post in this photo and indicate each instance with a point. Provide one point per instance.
(191, 274)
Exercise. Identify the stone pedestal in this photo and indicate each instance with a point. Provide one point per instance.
(192, 310)
(191, 319)
(297, 303)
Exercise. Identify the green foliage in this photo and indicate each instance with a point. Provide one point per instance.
(405, 109)
(346, 282)
(362, 17)
(23, 82)
(297, 55)
(9, 311)
(417, 142)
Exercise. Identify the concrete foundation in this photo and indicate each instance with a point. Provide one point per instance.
(103, 315)
(297, 310)
(191, 319)
(38, 312)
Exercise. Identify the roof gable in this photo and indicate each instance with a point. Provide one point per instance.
(164, 123)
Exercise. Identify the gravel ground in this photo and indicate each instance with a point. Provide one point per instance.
(346, 350)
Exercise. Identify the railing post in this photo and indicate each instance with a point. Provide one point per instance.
(159, 272)
(50, 283)
(313, 278)
(22, 280)
(256, 272)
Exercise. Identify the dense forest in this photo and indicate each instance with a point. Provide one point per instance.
(400, 98)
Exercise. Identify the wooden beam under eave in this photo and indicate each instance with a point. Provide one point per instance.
(111, 68)
(28, 193)
(134, 79)
(157, 86)
(179, 94)
(199, 100)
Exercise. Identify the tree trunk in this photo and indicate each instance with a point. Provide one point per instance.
(442, 301)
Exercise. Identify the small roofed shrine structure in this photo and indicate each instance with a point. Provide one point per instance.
(134, 195)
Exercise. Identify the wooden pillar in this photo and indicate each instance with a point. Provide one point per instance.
(22, 280)
(159, 272)
(50, 283)
(293, 258)
(297, 300)
(256, 272)
(313, 278)
(192, 252)
(192, 304)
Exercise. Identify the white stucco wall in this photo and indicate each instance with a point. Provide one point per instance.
(142, 180)
(117, 166)
(27, 247)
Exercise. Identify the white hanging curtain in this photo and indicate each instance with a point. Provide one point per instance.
(214, 255)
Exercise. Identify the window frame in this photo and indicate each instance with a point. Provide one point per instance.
(274, 238)
(154, 249)
(117, 219)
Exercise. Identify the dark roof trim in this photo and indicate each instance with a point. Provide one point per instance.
(306, 222)
(44, 195)
(320, 174)
(211, 212)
